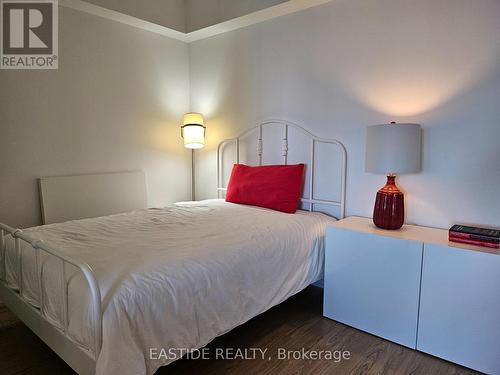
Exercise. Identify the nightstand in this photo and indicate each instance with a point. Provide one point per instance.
(415, 288)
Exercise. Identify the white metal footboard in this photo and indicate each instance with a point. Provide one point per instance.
(30, 314)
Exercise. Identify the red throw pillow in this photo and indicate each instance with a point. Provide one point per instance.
(277, 187)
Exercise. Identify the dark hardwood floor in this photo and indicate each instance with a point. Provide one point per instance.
(294, 325)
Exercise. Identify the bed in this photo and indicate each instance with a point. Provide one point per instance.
(103, 292)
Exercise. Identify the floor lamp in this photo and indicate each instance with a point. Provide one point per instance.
(193, 133)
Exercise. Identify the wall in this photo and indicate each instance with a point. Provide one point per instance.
(339, 67)
(203, 13)
(168, 13)
(114, 104)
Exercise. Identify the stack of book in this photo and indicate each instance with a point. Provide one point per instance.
(475, 236)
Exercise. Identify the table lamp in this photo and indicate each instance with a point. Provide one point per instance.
(392, 149)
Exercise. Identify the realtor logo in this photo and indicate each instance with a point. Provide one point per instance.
(29, 34)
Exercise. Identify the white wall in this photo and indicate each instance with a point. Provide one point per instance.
(114, 104)
(347, 64)
(117, 99)
(168, 13)
(203, 13)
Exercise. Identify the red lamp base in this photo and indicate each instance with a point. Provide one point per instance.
(389, 211)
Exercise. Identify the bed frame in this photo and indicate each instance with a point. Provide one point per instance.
(80, 359)
(281, 135)
(83, 360)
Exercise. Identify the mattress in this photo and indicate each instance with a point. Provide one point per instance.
(172, 277)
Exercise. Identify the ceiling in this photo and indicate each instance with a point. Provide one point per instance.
(186, 15)
(190, 20)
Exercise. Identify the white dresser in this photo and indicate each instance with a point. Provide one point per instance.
(413, 287)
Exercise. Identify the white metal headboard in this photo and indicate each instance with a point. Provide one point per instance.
(284, 145)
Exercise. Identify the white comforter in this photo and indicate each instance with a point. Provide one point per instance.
(175, 277)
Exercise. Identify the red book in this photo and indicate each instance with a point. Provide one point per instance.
(475, 237)
(473, 242)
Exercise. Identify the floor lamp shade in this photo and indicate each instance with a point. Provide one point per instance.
(193, 130)
(392, 149)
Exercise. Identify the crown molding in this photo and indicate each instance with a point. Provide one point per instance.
(290, 6)
(113, 15)
(262, 15)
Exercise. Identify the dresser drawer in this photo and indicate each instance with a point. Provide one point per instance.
(372, 283)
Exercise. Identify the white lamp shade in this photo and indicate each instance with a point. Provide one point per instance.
(193, 118)
(393, 148)
(193, 130)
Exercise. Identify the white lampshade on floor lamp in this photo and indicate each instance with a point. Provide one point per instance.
(193, 133)
(392, 149)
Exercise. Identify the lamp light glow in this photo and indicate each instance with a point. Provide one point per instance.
(193, 130)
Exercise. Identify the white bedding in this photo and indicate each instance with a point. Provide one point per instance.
(175, 277)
